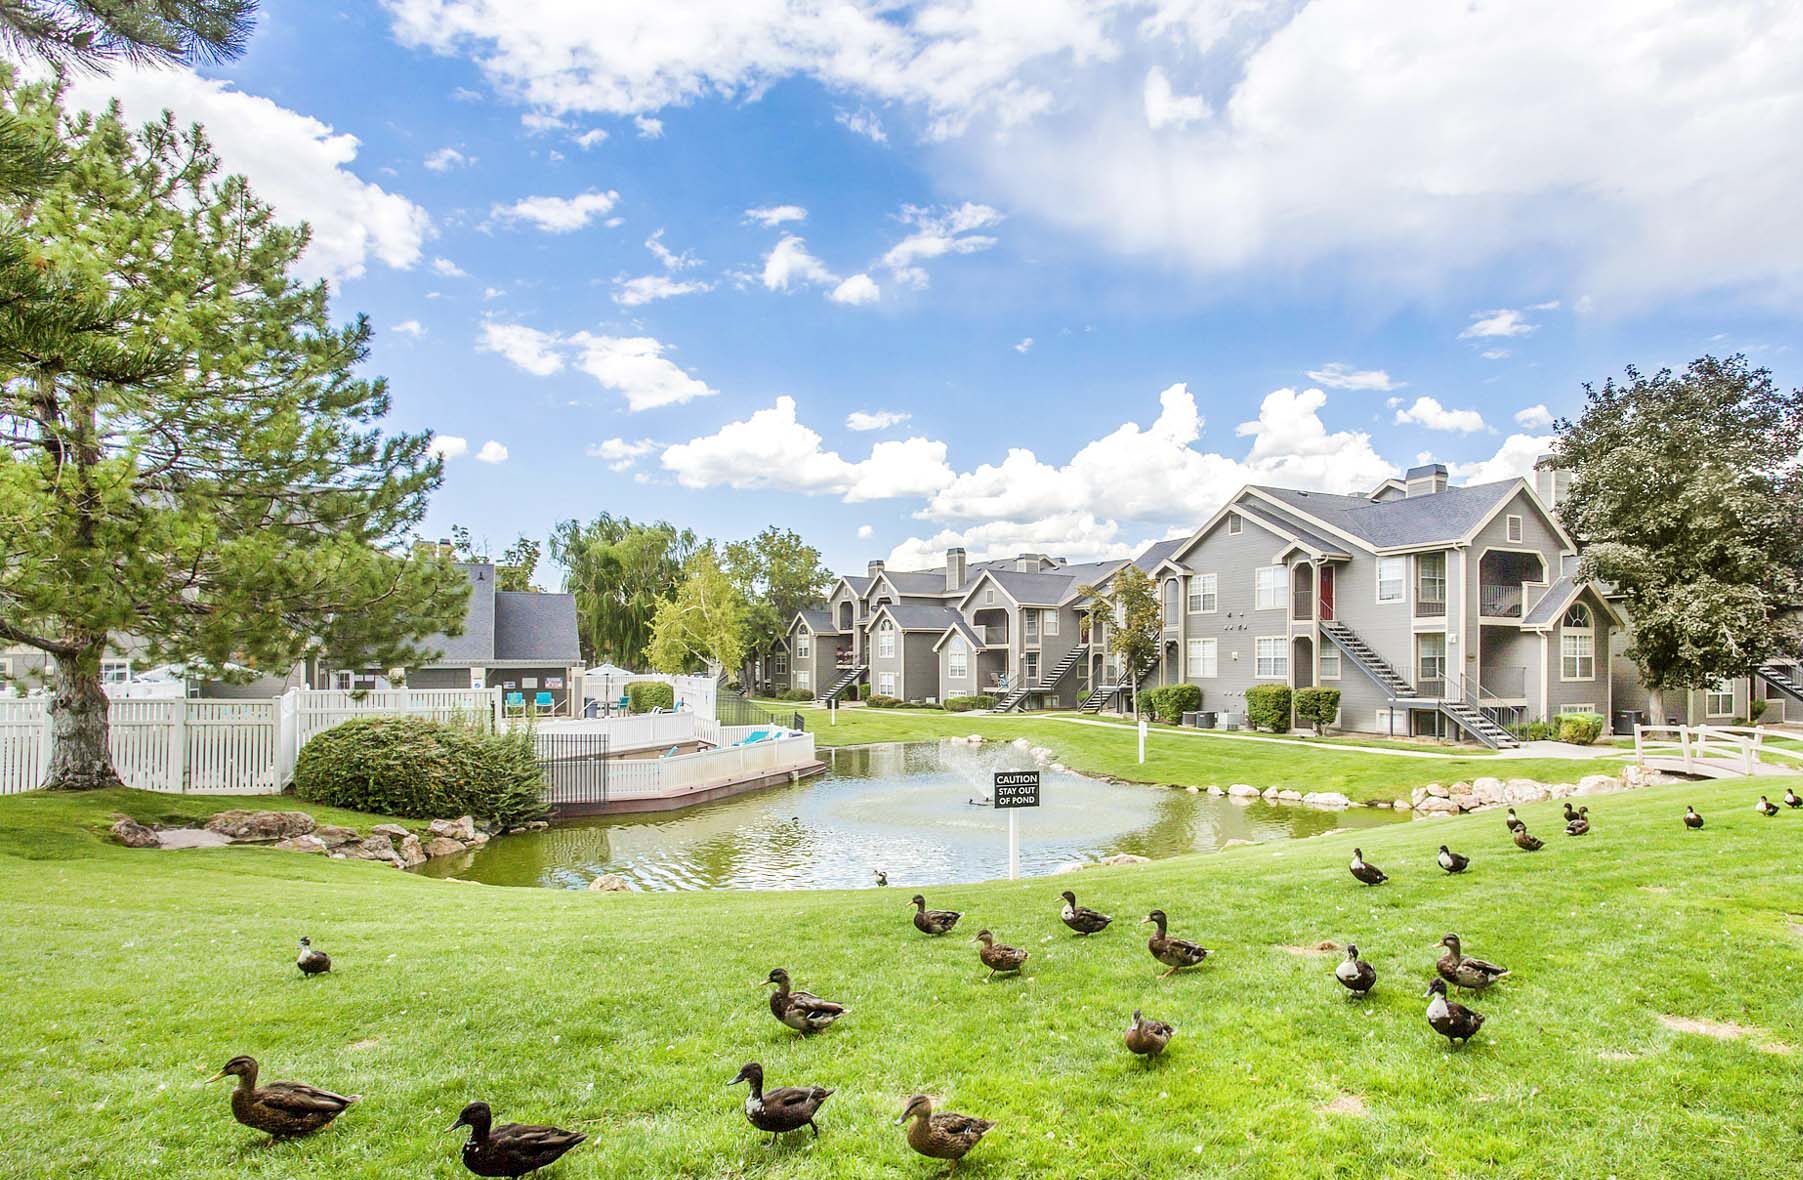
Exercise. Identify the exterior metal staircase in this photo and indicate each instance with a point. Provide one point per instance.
(1104, 693)
(1017, 696)
(1464, 709)
(848, 678)
(1784, 681)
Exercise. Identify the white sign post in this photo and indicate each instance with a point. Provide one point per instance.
(1142, 741)
(1015, 789)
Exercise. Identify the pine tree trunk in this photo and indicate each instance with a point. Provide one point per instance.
(80, 758)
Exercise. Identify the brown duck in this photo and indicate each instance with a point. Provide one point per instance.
(1082, 919)
(943, 1136)
(1148, 1038)
(281, 1110)
(1570, 815)
(1452, 1020)
(1766, 807)
(1692, 820)
(1526, 841)
(1175, 953)
(1514, 821)
(310, 961)
(1579, 824)
(1792, 799)
(1356, 975)
(1452, 861)
(932, 921)
(1463, 971)
(997, 957)
(784, 1109)
(511, 1149)
(1370, 874)
(802, 1011)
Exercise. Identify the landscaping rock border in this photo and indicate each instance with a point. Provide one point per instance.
(296, 831)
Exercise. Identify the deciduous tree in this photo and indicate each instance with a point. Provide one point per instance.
(619, 572)
(703, 625)
(1126, 608)
(778, 573)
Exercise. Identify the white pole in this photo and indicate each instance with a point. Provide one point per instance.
(1142, 741)
(832, 711)
(1013, 844)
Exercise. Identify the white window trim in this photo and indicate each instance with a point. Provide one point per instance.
(1402, 580)
(782, 665)
(1235, 524)
(1204, 601)
(1282, 588)
(1568, 710)
(1512, 528)
(1589, 638)
(957, 659)
(885, 641)
(1193, 663)
(1339, 665)
(1718, 691)
(886, 684)
(1283, 647)
(804, 649)
(106, 665)
(989, 596)
(801, 678)
(1048, 623)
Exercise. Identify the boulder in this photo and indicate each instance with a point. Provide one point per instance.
(394, 832)
(609, 883)
(439, 846)
(1289, 796)
(335, 836)
(1465, 802)
(1269, 794)
(1561, 790)
(463, 828)
(1021, 744)
(1125, 858)
(133, 834)
(410, 852)
(261, 827)
(1598, 784)
(1193, 790)
(1402, 805)
(376, 847)
(191, 838)
(1418, 794)
(1326, 799)
(1436, 790)
(1434, 805)
(1070, 866)
(975, 739)
(1488, 789)
(1041, 754)
(1523, 790)
(1242, 791)
(1216, 792)
(479, 839)
(308, 843)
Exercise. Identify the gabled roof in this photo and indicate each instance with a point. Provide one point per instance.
(916, 582)
(1293, 530)
(1156, 554)
(960, 627)
(1558, 599)
(917, 616)
(477, 643)
(818, 619)
(858, 584)
(536, 628)
(1445, 517)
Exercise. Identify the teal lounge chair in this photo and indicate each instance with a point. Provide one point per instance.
(753, 738)
(515, 704)
(542, 704)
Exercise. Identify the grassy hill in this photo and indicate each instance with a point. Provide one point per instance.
(131, 976)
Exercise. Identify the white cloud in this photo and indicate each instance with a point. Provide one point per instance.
(1495, 354)
(1514, 459)
(594, 137)
(447, 158)
(649, 128)
(863, 121)
(1504, 321)
(559, 215)
(858, 289)
(1166, 108)
(1024, 346)
(1534, 417)
(619, 454)
(492, 292)
(449, 269)
(875, 419)
(789, 262)
(411, 328)
(1549, 305)
(528, 348)
(492, 452)
(865, 532)
(1078, 536)
(540, 122)
(938, 232)
(1338, 375)
(636, 368)
(772, 450)
(296, 163)
(637, 292)
(774, 215)
(1429, 413)
(670, 258)
(448, 446)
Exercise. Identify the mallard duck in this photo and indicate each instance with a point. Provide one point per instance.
(943, 1136)
(1514, 821)
(511, 1149)
(281, 1110)
(1692, 820)
(1450, 1019)
(310, 961)
(1579, 824)
(1792, 799)
(882, 879)
(802, 1011)
(1570, 815)
(1356, 975)
(1175, 953)
(1451, 861)
(1082, 919)
(1369, 874)
(1463, 971)
(1766, 807)
(1148, 1038)
(932, 921)
(998, 957)
(787, 1108)
(1528, 842)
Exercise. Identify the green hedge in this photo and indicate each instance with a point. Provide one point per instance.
(1170, 703)
(864, 691)
(645, 695)
(1318, 707)
(1580, 729)
(966, 704)
(879, 701)
(1268, 707)
(421, 769)
(795, 694)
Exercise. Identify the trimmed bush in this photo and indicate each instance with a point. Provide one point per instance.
(1318, 707)
(966, 704)
(795, 694)
(1580, 729)
(645, 695)
(864, 691)
(1268, 707)
(1170, 703)
(879, 701)
(421, 769)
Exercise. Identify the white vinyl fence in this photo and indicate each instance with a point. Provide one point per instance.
(694, 694)
(682, 774)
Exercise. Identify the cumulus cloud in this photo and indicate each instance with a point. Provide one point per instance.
(527, 348)
(1079, 536)
(649, 128)
(619, 454)
(1534, 417)
(774, 215)
(411, 328)
(448, 446)
(1429, 413)
(1504, 321)
(1166, 108)
(863, 122)
(1513, 460)
(875, 419)
(492, 452)
(865, 532)
(789, 262)
(558, 215)
(857, 289)
(636, 368)
(594, 137)
(1025, 345)
(448, 269)
(447, 158)
(1339, 375)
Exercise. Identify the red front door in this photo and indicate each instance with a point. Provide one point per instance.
(1326, 578)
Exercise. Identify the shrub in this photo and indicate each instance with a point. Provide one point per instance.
(1756, 709)
(1170, 703)
(879, 701)
(1318, 707)
(966, 704)
(795, 694)
(864, 691)
(1580, 729)
(421, 769)
(1541, 731)
(1268, 707)
(645, 695)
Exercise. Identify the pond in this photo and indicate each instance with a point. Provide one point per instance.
(904, 808)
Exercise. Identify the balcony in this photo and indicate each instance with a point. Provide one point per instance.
(995, 634)
(1509, 683)
(1499, 602)
(1431, 686)
(1431, 608)
(1303, 604)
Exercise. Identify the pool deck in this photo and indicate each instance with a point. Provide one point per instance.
(707, 793)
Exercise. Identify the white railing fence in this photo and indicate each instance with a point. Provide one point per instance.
(664, 778)
(1733, 746)
(694, 694)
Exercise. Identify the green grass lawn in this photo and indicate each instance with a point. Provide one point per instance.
(1197, 758)
(131, 976)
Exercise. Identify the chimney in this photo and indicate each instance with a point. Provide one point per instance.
(874, 568)
(1552, 483)
(954, 569)
(1028, 563)
(1426, 479)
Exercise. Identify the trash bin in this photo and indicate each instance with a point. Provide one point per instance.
(1230, 720)
(1626, 720)
(1205, 719)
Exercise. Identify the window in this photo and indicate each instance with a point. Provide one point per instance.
(1050, 625)
(1566, 710)
(1392, 575)
(885, 641)
(957, 659)
(342, 681)
(1430, 579)
(804, 647)
(782, 665)
(1170, 602)
(1719, 701)
(1577, 644)
(1029, 621)
(1269, 585)
(1514, 527)
(1203, 663)
(115, 671)
(1430, 652)
(1578, 617)
(989, 596)
(1272, 659)
(1234, 524)
(885, 684)
(1330, 662)
(801, 678)
(1202, 597)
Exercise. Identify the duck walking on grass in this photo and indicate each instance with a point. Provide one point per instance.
(310, 961)
(281, 1110)
(511, 1149)
(997, 957)
(942, 1136)
(1766, 807)
(1579, 824)
(1570, 815)
(787, 1108)
(1082, 919)
(1175, 953)
(1692, 820)
(1451, 861)
(1354, 974)
(1526, 841)
(1147, 1038)
(802, 1011)
(1463, 971)
(1368, 873)
(1452, 1020)
(932, 921)
(1514, 822)
(1792, 799)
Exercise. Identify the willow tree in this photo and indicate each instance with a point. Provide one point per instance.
(188, 455)
(620, 572)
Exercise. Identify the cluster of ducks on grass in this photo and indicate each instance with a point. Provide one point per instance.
(286, 1110)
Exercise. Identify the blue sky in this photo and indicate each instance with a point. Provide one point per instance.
(1109, 260)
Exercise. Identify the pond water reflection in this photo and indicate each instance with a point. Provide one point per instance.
(904, 808)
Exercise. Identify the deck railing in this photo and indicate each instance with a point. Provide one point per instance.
(1735, 746)
(1499, 602)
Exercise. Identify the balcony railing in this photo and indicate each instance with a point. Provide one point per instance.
(1431, 686)
(1303, 605)
(1510, 683)
(1499, 602)
(993, 633)
(1430, 608)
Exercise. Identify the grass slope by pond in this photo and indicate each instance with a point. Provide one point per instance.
(1199, 758)
(131, 976)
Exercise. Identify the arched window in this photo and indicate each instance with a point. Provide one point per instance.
(1577, 644)
(1578, 617)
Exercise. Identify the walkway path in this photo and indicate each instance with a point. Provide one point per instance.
(1559, 750)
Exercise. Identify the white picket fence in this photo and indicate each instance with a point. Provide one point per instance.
(682, 774)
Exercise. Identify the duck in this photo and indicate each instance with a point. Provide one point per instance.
(1356, 975)
(1579, 824)
(1369, 874)
(1147, 1038)
(882, 879)
(1175, 953)
(1452, 1020)
(310, 961)
(998, 957)
(1570, 815)
(932, 921)
(281, 1110)
(1792, 799)
(1528, 842)
(1514, 821)
(802, 1011)
(787, 1108)
(511, 1149)
(1766, 807)
(1463, 971)
(1082, 919)
(1692, 820)
(941, 1136)
(1451, 861)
